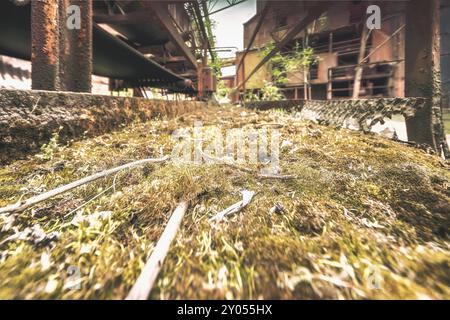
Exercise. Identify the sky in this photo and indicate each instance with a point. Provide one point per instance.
(229, 30)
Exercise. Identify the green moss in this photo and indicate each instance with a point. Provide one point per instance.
(365, 218)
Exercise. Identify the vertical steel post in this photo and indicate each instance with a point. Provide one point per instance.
(76, 46)
(61, 54)
(45, 45)
(360, 66)
(330, 85)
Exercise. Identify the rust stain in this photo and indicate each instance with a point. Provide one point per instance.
(66, 44)
(50, 12)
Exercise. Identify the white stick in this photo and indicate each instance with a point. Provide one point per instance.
(23, 205)
(246, 198)
(235, 166)
(277, 176)
(144, 284)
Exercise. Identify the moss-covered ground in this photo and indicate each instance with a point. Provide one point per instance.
(365, 218)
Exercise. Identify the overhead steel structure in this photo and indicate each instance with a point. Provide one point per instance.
(143, 43)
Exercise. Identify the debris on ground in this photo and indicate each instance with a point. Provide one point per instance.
(363, 217)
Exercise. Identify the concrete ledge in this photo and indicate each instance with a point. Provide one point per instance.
(28, 118)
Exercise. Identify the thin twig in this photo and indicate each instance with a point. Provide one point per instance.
(89, 201)
(247, 196)
(23, 205)
(262, 125)
(36, 104)
(144, 284)
(277, 176)
(248, 170)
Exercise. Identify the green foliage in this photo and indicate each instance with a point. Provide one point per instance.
(214, 62)
(301, 58)
(49, 148)
(297, 60)
(271, 92)
(281, 64)
(277, 64)
(222, 90)
(251, 96)
(216, 65)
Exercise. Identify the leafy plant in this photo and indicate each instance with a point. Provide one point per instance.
(251, 96)
(49, 148)
(222, 90)
(215, 62)
(271, 92)
(216, 65)
(299, 59)
(277, 64)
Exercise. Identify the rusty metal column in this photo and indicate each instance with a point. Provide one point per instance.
(422, 67)
(75, 68)
(201, 74)
(44, 45)
(200, 81)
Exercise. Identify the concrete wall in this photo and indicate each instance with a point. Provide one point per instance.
(251, 60)
(29, 118)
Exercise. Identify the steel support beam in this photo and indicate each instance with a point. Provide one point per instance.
(230, 5)
(139, 16)
(162, 13)
(422, 72)
(109, 52)
(201, 24)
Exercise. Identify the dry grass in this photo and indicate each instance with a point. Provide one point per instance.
(365, 218)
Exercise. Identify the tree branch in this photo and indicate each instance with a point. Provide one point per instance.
(23, 205)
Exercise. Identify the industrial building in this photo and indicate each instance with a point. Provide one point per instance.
(341, 43)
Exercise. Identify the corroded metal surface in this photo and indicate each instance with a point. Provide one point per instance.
(75, 67)
(61, 57)
(422, 73)
(45, 45)
(365, 112)
(109, 52)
